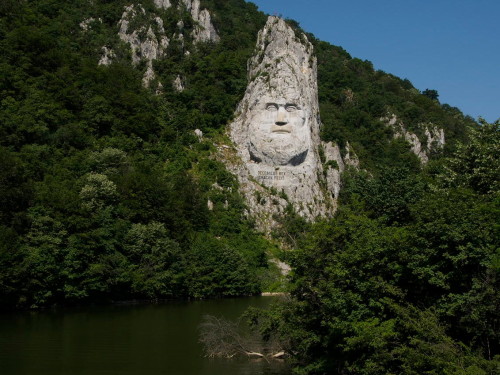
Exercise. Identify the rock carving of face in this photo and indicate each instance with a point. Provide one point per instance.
(278, 132)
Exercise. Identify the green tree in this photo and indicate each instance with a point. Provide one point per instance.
(476, 164)
(431, 94)
(216, 270)
(154, 261)
(44, 254)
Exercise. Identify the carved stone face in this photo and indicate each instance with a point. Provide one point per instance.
(278, 132)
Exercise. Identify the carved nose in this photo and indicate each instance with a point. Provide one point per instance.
(281, 118)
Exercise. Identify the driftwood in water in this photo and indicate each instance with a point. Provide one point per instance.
(227, 339)
(255, 354)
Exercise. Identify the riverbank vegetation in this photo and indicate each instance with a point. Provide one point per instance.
(107, 194)
(405, 278)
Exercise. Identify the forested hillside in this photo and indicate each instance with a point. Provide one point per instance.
(405, 278)
(106, 191)
(104, 184)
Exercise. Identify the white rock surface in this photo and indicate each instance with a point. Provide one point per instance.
(107, 56)
(162, 4)
(284, 268)
(159, 89)
(85, 25)
(149, 42)
(150, 47)
(435, 137)
(350, 158)
(178, 84)
(199, 134)
(276, 131)
(204, 31)
(333, 172)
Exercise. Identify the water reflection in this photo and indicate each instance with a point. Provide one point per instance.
(125, 340)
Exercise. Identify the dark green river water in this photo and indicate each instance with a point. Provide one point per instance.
(126, 340)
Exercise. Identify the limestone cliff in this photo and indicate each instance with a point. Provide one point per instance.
(434, 137)
(149, 40)
(276, 132)
(204, 30)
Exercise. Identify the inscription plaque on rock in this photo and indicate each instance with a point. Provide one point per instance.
(270, 175)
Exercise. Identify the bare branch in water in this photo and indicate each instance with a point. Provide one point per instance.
(227, 339)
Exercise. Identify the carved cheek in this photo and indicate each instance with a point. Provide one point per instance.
(258, 121)
(270, 116)
(298, 120)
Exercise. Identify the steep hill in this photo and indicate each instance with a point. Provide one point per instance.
(108, 193)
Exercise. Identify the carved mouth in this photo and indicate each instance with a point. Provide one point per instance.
(284, 129)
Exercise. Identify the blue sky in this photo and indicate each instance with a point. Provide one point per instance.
(452, 46)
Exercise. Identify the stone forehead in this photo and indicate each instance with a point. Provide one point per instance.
(277, 43)
(283, 65)
(280, 99)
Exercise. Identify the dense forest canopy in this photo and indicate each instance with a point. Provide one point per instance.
(405, 278)
(104, 191)
(104, 184)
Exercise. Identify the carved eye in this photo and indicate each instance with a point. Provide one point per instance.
(291, 108)
(272, 107)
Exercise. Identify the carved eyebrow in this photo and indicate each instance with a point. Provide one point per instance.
(290, 106)
(276, 105)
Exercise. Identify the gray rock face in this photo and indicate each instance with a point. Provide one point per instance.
(435, 137)
(150, 47)
(162, 4)
(178, 84)
(149, 42)
(334, 166)
(204, 30)
(276, 131)
(106, 57)
(350, 158)
(86, 24)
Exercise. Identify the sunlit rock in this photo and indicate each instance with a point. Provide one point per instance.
(276, 130)
(148, 42)
(204, 31)
(199, 134)
(107, 56)
(435, 138)
(178, 84)
(162, 4)
(86, 24)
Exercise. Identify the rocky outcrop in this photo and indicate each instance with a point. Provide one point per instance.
(435, 138)
(350, 158)
(86, 24)
(107, 56)
(204, 30)
(146, 43)
(276, 132)
(333, 166)
(163, 4)
(149, 42)
(178, 84)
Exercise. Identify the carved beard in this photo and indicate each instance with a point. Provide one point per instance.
(279, 149)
